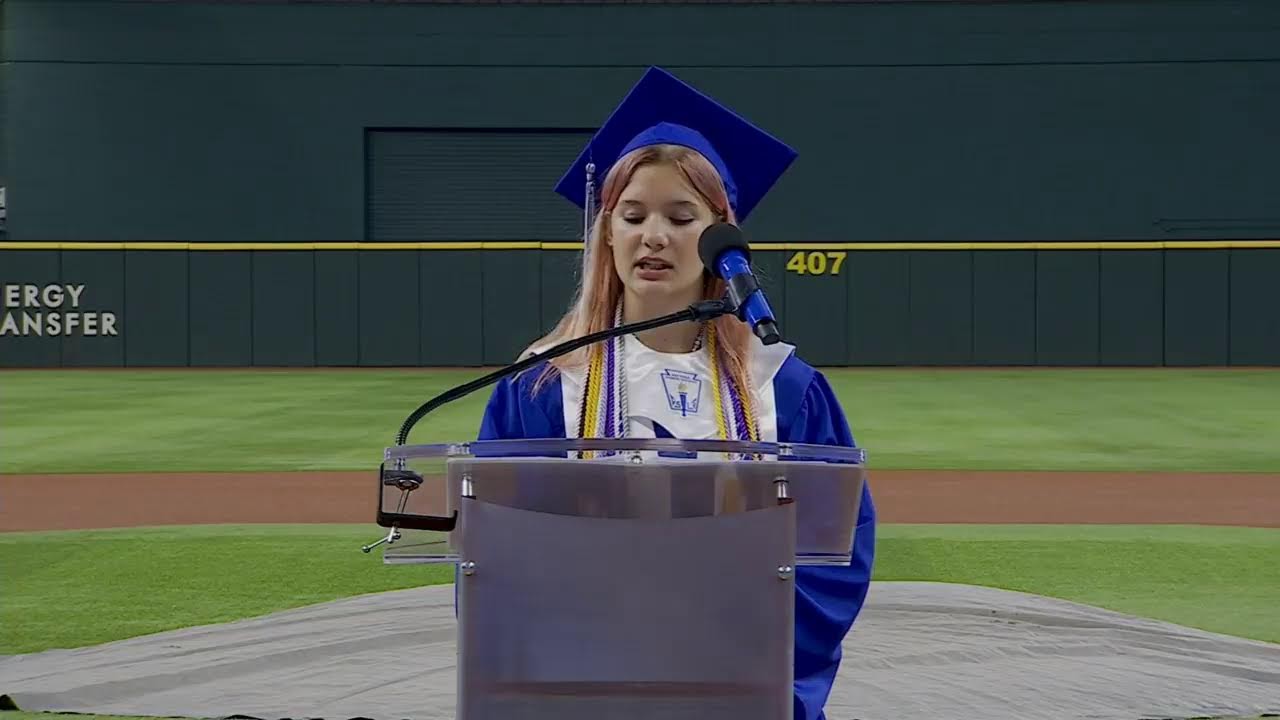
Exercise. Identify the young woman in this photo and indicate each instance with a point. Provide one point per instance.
(665, 180)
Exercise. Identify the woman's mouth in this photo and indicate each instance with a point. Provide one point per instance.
(653, 268)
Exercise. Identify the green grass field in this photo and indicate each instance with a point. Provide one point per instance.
(1140, 419)
(73, 589)
(115, 584)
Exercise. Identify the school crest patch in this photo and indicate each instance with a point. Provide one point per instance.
(684, 391)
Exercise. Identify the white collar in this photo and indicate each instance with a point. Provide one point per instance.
(766, 360)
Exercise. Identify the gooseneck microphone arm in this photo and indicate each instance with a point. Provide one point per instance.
(407, 480)
(705, 310)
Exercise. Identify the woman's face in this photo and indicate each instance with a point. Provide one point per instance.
(654, 232)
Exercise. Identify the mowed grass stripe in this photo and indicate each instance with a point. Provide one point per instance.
(1120, 420)
(72, 589)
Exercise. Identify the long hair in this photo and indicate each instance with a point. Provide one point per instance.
(600, 288)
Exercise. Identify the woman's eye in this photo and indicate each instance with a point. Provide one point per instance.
(681, 221)
(633, 219)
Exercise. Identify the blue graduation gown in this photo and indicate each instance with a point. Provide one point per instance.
(828, 599)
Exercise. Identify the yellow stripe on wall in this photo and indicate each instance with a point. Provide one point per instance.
(1116, 245)
(535, 245)
(280, 246)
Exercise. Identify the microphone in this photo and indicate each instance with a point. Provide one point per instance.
(725, 252)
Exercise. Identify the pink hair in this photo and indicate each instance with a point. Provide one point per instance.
(600, 287)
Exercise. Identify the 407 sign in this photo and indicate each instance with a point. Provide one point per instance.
(816, 263)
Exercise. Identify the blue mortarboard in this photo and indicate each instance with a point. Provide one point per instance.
(663, 109)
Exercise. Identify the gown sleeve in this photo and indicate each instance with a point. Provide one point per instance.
(828, 598)
(514, 412)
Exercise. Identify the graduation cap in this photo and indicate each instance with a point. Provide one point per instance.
(661, 109)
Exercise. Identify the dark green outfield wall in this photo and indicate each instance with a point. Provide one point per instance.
(259, 122)
(390, 307)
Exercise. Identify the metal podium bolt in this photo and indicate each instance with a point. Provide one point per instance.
(469, 567)
(784, 490)
(784, 572)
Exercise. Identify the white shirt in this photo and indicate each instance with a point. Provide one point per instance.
(674, 390)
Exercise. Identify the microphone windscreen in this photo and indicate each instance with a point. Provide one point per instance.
(718, 238)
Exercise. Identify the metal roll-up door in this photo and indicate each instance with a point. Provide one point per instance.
(468, 185)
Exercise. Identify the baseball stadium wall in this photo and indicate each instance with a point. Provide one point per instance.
(370, 183)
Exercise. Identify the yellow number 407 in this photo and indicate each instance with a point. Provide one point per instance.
(816, 263)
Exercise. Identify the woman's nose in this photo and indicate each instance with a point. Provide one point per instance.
(655, 238)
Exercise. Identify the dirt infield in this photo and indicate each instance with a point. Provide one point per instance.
(64, 502)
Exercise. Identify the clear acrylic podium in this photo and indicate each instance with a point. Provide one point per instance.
(629, 579)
